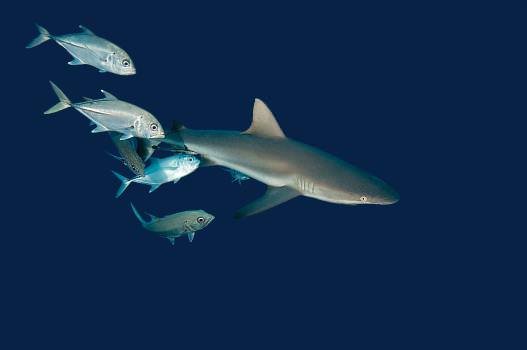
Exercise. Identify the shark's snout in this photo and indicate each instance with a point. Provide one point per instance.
(390, 196)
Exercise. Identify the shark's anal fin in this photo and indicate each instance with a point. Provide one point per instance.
(273, 197)
(264, 123)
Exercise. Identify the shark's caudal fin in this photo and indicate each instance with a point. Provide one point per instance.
(64, 102)
(264, 123)
(137, 215)
(124, 183)
(42, 37)
(271, 198)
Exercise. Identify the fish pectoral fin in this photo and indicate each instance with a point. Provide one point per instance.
(125, 137)
(75, 62)
(190, 236)
(154, 187)
(273, 197)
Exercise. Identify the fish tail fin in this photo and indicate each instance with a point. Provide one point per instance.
(43, 36)
(63, 103)
(137, 215)
(124, 183)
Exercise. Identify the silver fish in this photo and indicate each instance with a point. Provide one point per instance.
(160, 171)
(88, 48)
(289, 168)
(176, 225)
(112, 114)
(237, 176)
(128, 154)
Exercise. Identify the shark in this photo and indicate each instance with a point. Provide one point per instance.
(288, 167)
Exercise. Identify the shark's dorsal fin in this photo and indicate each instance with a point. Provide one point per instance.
(108, 95)
(86, 30)
(264, 123)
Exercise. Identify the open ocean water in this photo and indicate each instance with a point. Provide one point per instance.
(394, 88)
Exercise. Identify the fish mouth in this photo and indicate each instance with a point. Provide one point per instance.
(159, 136)
(129, 72)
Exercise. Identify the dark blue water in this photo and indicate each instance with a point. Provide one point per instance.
(385, 87)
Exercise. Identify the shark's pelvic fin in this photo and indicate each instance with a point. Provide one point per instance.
(271, 198)
(264, 123)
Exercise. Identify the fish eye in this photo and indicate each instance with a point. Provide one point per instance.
(153, 127)
(363, 198)
(189, 159)
(126, 62)
(200, 219)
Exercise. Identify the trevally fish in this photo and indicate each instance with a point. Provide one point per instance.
(176, 225)
(112, 114)
(88, 48)
(128, 154)
(160, 171)
(237, 176)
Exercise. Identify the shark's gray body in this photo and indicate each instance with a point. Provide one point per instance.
(290, 168)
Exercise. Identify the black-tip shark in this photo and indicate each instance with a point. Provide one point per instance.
(289, 168)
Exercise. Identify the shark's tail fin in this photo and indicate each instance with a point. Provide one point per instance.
(63, 103)
(124, 183)
(137, 215)
(42, 37)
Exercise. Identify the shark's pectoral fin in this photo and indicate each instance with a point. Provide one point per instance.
(271, 198)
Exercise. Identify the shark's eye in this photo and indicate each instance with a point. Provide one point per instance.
(363, 199)
(200, 220)
(126, 62)
(153, 127)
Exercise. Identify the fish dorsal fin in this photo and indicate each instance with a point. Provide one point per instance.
(87, 99)
(86, 30)
(108, 95)
(264, 123)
